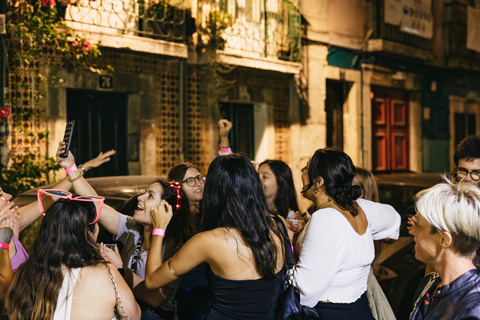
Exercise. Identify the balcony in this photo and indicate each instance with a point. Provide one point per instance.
(257, 29)
(388, 38)
(154, 27)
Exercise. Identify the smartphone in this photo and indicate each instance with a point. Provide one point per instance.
(67, 137)
(110, 246)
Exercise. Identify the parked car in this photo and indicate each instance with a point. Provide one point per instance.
(398, 272)
(117, 190)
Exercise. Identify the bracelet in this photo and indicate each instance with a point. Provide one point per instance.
(121, 270)
(158, 232)
(176, 275)
(76, 178)
(224, 150)
(83, 168)
(4, 245)
(71, 169)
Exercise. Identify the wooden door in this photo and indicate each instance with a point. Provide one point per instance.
(100, 125)
(390, 130)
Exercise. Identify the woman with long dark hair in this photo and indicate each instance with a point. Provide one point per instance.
(336, 246)
(277, 182)
(240, 243)
(65, 276)
(136, 233)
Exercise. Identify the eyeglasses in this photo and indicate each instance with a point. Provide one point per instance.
(175, 185)
(67, 195)
(463, 173)
(192, 181)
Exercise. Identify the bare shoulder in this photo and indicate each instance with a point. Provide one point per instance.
(94, 291)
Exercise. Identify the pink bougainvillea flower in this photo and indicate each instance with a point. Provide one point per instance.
(84, 48)
(52, 3)
(75, 43)
(86, 44)
(43, 3)
(5, 112)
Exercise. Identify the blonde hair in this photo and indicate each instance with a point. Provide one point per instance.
(455, 208)
(365, 180)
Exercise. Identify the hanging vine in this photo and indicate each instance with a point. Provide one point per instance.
(37, 36)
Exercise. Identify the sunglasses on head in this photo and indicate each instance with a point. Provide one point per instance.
(56, 193)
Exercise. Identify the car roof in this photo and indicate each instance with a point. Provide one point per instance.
(410, 179)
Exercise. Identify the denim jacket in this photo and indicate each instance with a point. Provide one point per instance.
(457, 300)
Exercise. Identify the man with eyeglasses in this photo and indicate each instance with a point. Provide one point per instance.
(467, 168)
(467, 160)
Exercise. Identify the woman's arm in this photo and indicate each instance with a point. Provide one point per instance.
(132, 310)
(109, 217)
(224, 127)
(6, 233)
(153, 298)
(30, 212)
(188, 257)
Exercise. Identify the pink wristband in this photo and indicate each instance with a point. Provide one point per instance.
(158, 232)
(4, 245)
(224, 150)
(71, 169)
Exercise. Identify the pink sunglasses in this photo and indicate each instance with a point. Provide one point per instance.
(67, 195)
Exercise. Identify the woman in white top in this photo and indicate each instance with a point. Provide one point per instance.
(65, 276)
(336, 246)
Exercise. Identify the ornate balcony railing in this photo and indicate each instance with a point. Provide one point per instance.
(259, 28)
(157, 20)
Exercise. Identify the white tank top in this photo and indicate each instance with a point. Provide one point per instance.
(65, 296)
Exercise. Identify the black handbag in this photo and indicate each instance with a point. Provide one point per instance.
(288, 304)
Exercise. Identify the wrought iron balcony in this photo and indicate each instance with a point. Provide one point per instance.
(255, 28)
(157, 20)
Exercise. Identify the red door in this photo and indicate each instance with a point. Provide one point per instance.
(390, 130)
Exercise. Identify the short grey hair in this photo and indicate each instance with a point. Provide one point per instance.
(453, 207)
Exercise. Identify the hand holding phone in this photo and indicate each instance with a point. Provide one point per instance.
(67, 138)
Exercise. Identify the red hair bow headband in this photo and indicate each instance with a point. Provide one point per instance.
(175, 185)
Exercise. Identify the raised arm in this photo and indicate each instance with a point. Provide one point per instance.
(7, 218)
(109, 216)
(190, 255)
(224, 127)
(30, 212)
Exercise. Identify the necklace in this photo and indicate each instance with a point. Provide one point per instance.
(322, 204)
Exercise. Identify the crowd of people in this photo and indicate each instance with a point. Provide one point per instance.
(212, 247)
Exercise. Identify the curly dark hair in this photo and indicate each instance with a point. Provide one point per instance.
(337, 170)
(234, 198)
(468, 149)
(64, 238)
(285, 198)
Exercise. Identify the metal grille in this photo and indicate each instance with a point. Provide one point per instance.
(134, 17)
(261, 28)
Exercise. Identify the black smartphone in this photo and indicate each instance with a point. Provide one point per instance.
(67, 138)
